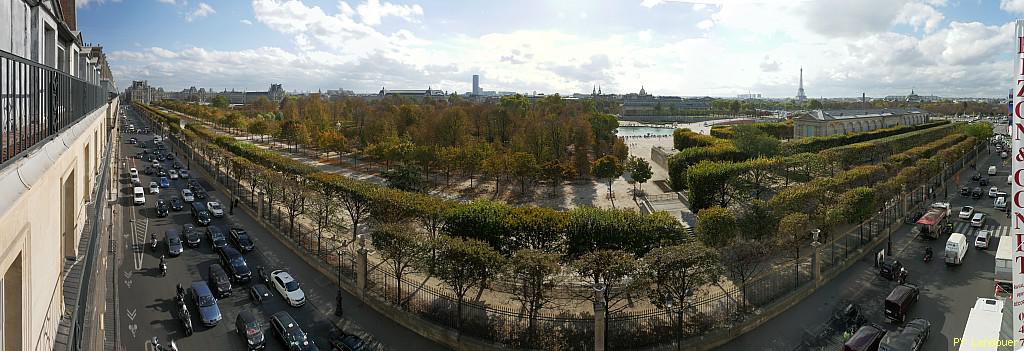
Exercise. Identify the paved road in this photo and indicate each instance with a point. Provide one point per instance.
(947, 292)
(146, 299)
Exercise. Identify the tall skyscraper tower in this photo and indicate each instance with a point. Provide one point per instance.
(476, 84)
(800, 96)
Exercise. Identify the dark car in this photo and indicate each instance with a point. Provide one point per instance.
(866, 338)
(174, 247)
(898, 303)
(193, 184)
(241, 239)
(258, 293)
(177, 204)
(216, 237)
(177, 165)
(238, 270)
(192, 238)
(148, 170)
(965, 191)
(169, 157)
(249, 328)
(161, 208)
(209, 311)
(219, 281)
(200, 214)
(133, 141)
(287, 329)
(983, 181)
(976, 193)
(910, 338)
(161, 172)
(976, 176)
(342, 341)
(199, 193)
(890, 268)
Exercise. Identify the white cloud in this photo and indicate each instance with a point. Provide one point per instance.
(1012, 6)
(373, 10)
(651, 3)
(85, 3)
(705, 24)
(644, 35)
(166, 1)
(246, 22)
(201, 11)
(699, 6)
(920, 15)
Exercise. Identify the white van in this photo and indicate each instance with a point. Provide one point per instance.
(992, 170)
(956, 248)
(140, 195)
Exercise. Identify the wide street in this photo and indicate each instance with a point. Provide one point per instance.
(947, 292)
(146, 299)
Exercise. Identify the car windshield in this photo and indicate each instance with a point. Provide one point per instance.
(252, 329)
(296, 335)
(214, 206)
(239, 264)
(242, 237)
(207, 301)
(175, 241)
(291, 286)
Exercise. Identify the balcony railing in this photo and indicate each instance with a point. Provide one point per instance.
(38, 102)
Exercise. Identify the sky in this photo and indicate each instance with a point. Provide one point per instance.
(953, 48)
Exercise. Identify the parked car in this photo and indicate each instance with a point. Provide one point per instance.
(241, 239)
(133, 172)
(174, 247)
(187, 195)
(287, 329)
(139, 195)
(250, 329)
(206, 303)
(219, 280)
(898, 303)
(154, 188)
(866, 338)
(177, 204)
(162, 208)
(238, 270)
(192, 238)
(978, 220)
(258, 293)
(891, 268)
(288, 287)
(910, 338)
(966, 212)
(216, 237)
(342, 341)
(215, 209)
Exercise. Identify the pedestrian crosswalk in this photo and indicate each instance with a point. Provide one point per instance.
(965, 228)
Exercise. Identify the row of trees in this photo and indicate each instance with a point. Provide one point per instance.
(472, 245)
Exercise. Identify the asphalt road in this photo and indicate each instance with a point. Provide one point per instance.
(947, 292)
(146, 299)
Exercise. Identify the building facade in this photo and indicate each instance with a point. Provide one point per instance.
(644, 104)
(54, 139)
(822, 123)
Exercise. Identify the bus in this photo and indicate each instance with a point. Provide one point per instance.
(1004, 268)
(983, 326)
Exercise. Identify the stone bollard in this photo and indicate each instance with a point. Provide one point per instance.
(361, 268)
(816, 264)
(599, 317)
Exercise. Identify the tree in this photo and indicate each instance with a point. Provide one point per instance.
(533, 273)
(793, 231)
(448, 158)
(524, 166)
(677, 272)
(352, 196)
(464, 264)
(615, 270)
(609, 168)
(220, 101)
(557, 172)
(294, 132)
(758, 222)
(332, 141)
(716, 226)
(753, 142)
(814, 104)
(640, 171)
(406, 178)
(979, 130)
(742, 259)
(400, 249)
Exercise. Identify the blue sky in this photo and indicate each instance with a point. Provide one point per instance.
(692, 48)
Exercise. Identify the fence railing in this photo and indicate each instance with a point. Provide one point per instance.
(37, 102)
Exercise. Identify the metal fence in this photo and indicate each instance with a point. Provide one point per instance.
(37, 102)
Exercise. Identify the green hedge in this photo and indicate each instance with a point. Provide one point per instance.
(778, 130)
(815, 144)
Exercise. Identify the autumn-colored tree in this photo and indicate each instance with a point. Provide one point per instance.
(609, 168)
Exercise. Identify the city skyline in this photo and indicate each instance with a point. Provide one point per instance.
(954, 49)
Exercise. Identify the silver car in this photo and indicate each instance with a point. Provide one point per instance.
(174, 245)
(209, 311)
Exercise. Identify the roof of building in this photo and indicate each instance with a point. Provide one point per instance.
(859, 113)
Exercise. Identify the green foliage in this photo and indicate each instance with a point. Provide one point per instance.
(794, 230)
(684, 138)
(815, 144)
(640, 170)
(707, 183)
(680, 162)
(220, 101)
(589, 229)
(777, 130)
(758, 221)
(978, 130)
(608, 167)
(716, 227)
(677, 271)
(533, 273)
(753, 142)
(406, 178)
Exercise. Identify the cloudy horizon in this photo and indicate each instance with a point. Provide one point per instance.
(687, 48)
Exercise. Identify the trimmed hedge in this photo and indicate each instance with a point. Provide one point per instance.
(815, 144)
(778, 130)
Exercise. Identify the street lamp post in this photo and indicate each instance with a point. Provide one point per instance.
(672, 319)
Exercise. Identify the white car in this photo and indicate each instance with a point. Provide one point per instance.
(993, 191)
(215, 209)
(183, 174)
(288, 287)
(139, 195)
(992, 170)
(1000, 202)
(132, 172)
(154, 188)
(172, 174)
(156, 164)
(966, 212)
(187, 196)
(981, 241)
(978, 220)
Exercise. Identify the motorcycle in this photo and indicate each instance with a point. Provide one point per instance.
(163, 267)
(928, 254)
(153, 245)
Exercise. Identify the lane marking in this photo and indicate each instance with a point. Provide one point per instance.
(131, 314)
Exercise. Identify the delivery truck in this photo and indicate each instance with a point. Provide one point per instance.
(956, 249)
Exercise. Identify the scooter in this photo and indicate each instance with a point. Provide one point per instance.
(927, 254)
(153, 245)
(163, 267)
